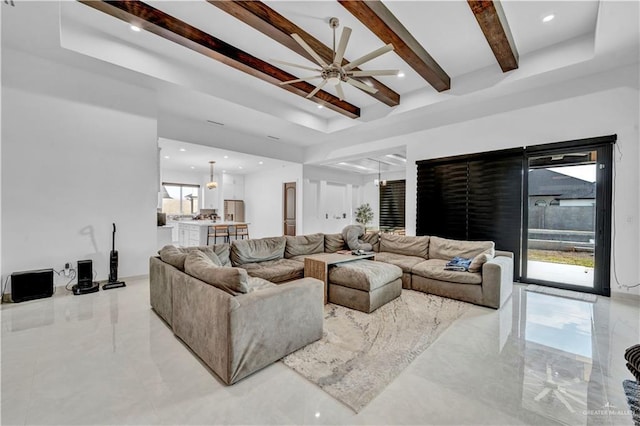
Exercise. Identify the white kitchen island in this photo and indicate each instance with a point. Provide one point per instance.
(193, 233)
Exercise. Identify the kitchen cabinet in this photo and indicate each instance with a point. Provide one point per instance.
(194, 233)
(232, 187)
(191, 235)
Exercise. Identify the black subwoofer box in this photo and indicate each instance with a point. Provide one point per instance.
(30, 285)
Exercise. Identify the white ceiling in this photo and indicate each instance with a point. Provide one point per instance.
(193, 158)
(194, 88)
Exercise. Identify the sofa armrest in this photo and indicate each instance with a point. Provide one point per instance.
(497, 280)
(504, 253)
(160, 277)
(268, 324)
(201, 320)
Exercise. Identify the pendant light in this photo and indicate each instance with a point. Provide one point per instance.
(212, 184)
(379, 182)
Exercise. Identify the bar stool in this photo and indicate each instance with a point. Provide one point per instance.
(218, 231)
(242, 231)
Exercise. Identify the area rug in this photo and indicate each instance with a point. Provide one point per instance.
(585, 297)
(360, 354)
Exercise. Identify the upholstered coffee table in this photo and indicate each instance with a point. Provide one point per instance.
(317, 266)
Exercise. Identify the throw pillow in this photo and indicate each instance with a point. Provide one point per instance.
(173, 256)
(231, 280)
(479, 260)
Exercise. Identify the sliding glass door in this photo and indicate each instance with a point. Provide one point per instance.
(566, 212)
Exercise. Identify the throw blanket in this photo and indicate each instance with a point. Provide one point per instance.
(458, 264)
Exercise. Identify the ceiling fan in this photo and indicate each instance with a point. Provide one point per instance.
(334, 73)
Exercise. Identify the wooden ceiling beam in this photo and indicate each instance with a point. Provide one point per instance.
(375, 15)
(269, 22)
(495, 27)
(170, 28)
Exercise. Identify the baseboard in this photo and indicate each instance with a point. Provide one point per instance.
(6, 298)
(632, 297)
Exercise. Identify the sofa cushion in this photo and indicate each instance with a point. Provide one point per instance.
(406, 263)
(442, 248)
(372, 238)
(257, 250)
(363, 274)
(408, 245)
(232, 280)
(479, 260)
(175, 256)
(303, 245)
(257, 284)
(222, 251)
(333, 243)
(276, 271)
(434, 269)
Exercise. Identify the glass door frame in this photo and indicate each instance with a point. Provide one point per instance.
(604, 185)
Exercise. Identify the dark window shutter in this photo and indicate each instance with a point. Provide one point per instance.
(392, 203)
(442, 200)
(473, 197)
(495, 203)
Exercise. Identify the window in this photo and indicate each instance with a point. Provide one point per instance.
(180, 198)
(392, 199)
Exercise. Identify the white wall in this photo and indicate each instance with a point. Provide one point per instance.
(263, 192)
(603, 113)
(79, 152)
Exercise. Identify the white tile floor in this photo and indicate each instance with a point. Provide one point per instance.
(106, 358)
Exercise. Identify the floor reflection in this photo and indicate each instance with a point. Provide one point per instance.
(561, 362)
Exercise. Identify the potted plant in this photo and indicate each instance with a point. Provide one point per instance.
(364, 215)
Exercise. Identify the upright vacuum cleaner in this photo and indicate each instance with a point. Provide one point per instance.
(113, 266)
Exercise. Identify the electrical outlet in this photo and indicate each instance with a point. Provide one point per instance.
(67, 268)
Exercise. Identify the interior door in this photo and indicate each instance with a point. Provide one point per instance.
(289, 209)
(567, 219)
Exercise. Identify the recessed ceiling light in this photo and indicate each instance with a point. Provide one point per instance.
(320, 107)
(260, 162)
(400, 74)
(166, 156)
(134, 28)
(193, 167)
(239, 167)
(182, 150)
(548, 18)
(226, 156)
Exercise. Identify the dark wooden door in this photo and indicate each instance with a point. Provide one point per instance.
(289, 209)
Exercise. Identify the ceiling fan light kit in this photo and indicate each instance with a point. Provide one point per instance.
(335, 73)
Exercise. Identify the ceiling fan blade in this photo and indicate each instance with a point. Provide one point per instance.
(342, 46)
(373, 72)
(295, 65)
(297, 80)
(361, 85)
(317, 89)
(340, 92)
(309, 50)
(368, 57)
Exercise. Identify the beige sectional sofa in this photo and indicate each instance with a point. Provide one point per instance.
(235, 333)
(237, 318)
(423, 260)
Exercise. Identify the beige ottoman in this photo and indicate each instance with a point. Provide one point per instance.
(364, 285)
